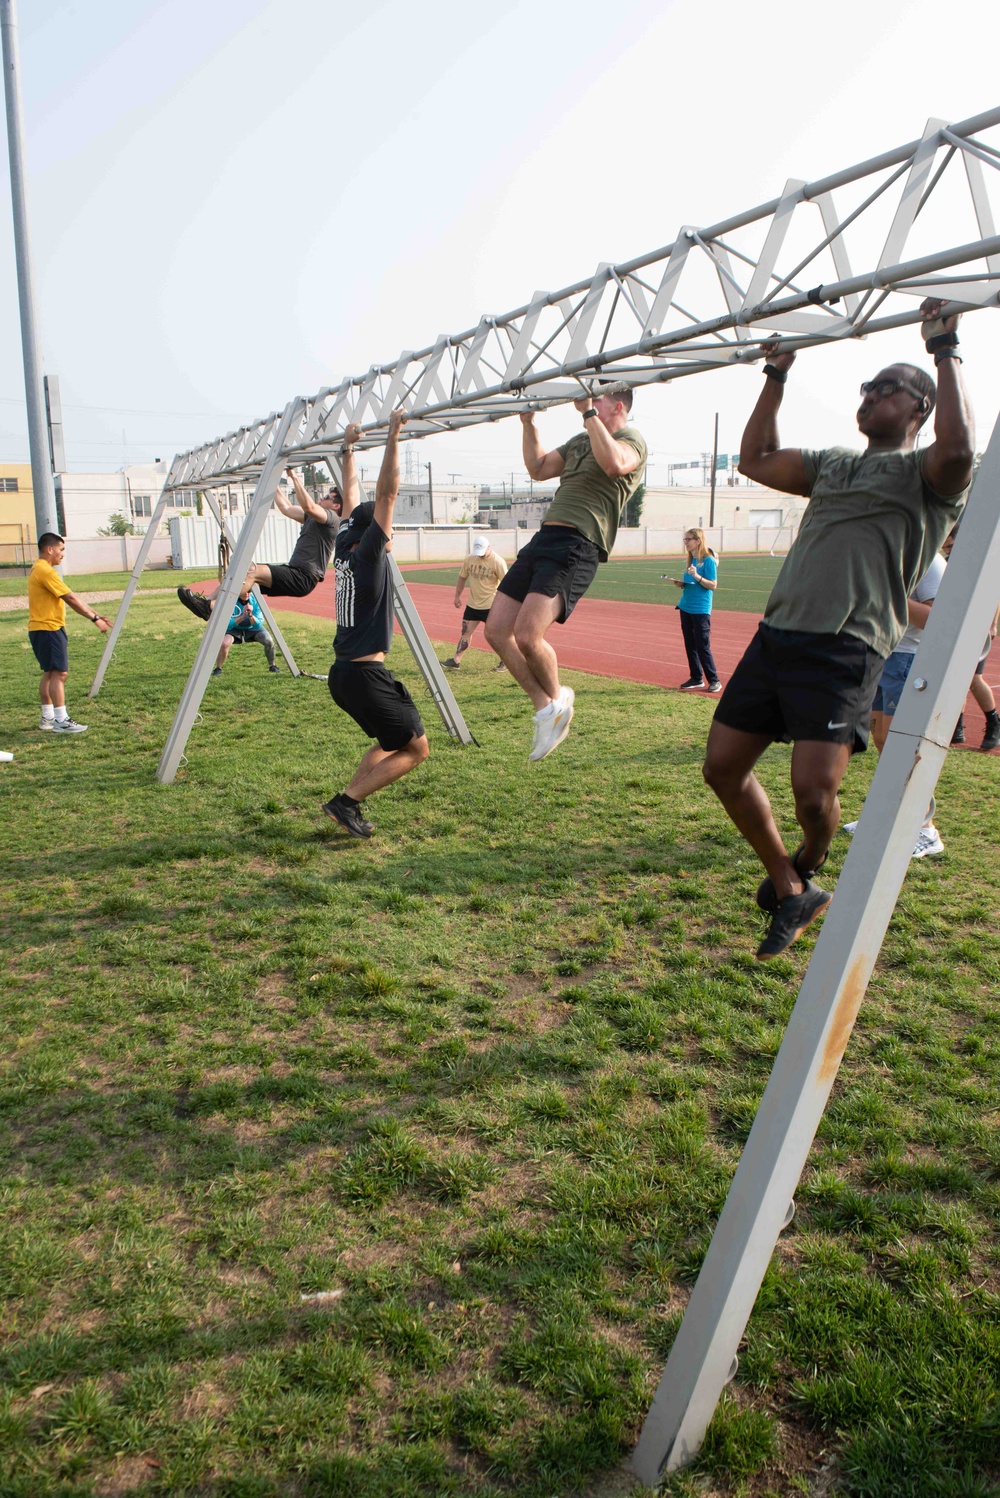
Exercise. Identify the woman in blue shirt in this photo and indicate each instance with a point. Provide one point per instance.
(697, 586)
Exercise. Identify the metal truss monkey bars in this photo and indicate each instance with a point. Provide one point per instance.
(760, 275)
(803, 268)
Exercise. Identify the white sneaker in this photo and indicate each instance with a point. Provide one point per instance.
(552, 726)
(47, 723)
(850, 828)
(5, 757)
(67, 725)
(928, 843)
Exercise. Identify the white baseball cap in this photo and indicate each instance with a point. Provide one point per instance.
(480, 546)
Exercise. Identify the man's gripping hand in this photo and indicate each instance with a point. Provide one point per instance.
(932, 323)
(352, 434)
(782, 361)
(397, 421)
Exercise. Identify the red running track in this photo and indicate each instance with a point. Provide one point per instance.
(630, 641)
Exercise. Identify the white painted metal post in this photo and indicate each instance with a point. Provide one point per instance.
(187, 710)
(834, 985)
(130, 587)
(425, 656)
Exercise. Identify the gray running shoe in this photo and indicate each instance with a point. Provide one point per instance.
(67, 725)
(47, 724)
(793, 915)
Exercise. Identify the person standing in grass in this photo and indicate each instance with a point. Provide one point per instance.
(247, 627)
(359, 681)
(874, 522)
(697, 586)
(598, 470)
(483, 570)
(48, 596)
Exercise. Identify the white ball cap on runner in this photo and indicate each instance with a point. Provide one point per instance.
(480, 546)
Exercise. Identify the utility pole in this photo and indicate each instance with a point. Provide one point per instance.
(715, 457)
(430, 489)
(46, 517)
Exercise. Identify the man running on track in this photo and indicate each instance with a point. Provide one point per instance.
(599, 471)
(873, 524)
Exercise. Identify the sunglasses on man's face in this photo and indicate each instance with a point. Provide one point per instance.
(882, 389)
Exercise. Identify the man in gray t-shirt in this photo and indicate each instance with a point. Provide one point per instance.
(320, 522)
(874, 521)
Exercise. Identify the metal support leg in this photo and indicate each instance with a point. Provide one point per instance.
(430, 667)
(279, 638)
(225, 599)
(832, 990)
(130, 587)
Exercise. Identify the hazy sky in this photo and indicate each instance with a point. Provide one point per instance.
(236, 202)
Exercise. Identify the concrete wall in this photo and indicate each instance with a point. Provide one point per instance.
(194, 543)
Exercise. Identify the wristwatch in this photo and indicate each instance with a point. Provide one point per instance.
(590, 411)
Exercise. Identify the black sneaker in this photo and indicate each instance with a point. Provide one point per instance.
(196, 602)
(713, 688)
(791, 918)
(958, 737)
(991, 738)
(274, 670)
(349, 817)
(451, 664)
(690, 685)
(767, 900)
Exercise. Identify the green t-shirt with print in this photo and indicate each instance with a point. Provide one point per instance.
(871, 528)
(587, 497)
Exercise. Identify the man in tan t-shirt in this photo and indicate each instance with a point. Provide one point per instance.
(598, 470)
(482, 570)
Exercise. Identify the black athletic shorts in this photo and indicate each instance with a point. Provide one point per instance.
(289, 582)
(792, 685)
(378, 703)
(558, 562)
(478, 616)
(51, 648)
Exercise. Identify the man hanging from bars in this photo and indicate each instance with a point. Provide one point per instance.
(599, 470)
(359, 681)
(873, 524)
(320, 521)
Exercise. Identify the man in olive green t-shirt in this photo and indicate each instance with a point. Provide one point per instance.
(874, 522)
(599, 471)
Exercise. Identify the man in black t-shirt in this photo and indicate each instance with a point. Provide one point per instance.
(359, 680)
(306, 567)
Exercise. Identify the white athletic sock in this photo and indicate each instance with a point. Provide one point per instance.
(547, 710)
(61, 714)
(48, 712)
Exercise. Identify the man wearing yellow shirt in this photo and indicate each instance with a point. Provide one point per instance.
(48, 596)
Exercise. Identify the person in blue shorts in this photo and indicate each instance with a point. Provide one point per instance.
(697, 586)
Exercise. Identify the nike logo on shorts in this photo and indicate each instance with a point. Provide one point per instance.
(836, 725)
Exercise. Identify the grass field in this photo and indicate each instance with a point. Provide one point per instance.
(108, 582)
(384, 1170)
(744, 582)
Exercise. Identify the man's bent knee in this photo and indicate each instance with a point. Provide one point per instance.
(418, 749)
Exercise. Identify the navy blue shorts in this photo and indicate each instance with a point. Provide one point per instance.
(51, 648)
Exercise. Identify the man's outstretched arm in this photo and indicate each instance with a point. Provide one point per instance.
(762, 458)
(350, 489)
(387, 487)
(949, 459)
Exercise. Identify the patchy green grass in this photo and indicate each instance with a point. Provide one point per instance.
(744, 581)
(385, 1169)
(107, 582)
